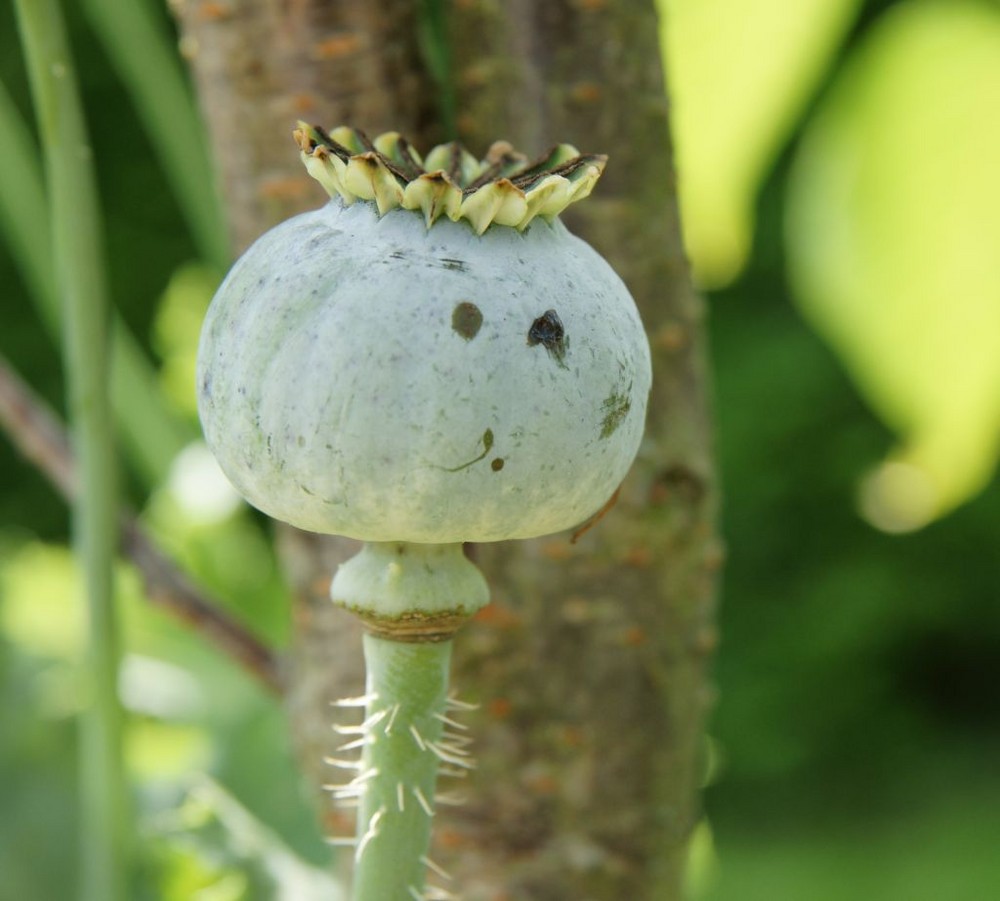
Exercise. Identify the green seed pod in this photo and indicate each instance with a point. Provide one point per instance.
(431, 358)
(440, 362)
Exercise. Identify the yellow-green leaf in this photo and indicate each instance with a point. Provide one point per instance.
(739, 73)
(894, 247)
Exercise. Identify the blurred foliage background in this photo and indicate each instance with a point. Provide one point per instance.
(841, 200)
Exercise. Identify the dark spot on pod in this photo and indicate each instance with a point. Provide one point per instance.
(497, 464)
(548, 331)
(454, 265)
(467, 319)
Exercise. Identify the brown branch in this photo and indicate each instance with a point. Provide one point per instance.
(40, 437)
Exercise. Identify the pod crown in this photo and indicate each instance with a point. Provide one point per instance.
(504, 188)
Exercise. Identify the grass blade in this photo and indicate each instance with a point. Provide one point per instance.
(79, 265)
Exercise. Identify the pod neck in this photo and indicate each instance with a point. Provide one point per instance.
(410, 592)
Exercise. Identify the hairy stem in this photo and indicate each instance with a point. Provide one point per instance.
(406, 694)
(412, 598)
(79, 264)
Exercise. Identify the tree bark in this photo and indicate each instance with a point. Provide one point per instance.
(261, 65)
(589, 780)
(591, 662)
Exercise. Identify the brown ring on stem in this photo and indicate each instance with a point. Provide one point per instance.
(415, 627)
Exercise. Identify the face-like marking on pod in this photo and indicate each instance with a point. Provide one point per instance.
(466, 319)
(548, 331)
(488, 424)
(487, 442)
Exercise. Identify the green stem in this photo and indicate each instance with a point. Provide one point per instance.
(413, 598)
(407, 689)
(79, 264)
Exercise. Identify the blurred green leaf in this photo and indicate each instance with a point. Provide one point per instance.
(894, 240)
(702, 871)
(157, 750)
(177, 328)
(152, 436)
(38, 584)
(232, 557)
(138, 43)
(39, 825)
(739, 73)
(191, 710)
(224, 837)
(184, 875)
(24, 213)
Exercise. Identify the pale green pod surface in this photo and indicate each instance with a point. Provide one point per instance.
(371, 377)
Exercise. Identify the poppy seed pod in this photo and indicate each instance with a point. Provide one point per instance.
(431, 357)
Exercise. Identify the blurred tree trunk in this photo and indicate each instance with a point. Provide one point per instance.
(591, 662)
(261, 65)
